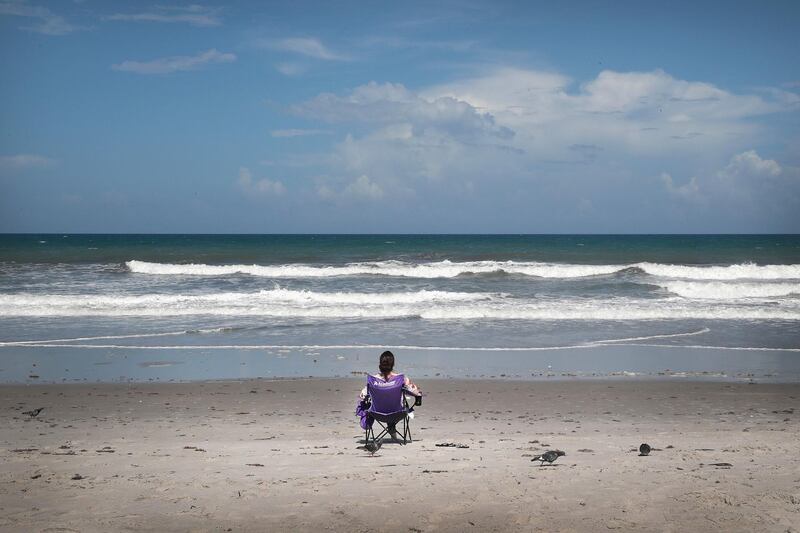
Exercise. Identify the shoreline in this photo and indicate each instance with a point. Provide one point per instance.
(616, 377)
(284, 454)
(613, 362)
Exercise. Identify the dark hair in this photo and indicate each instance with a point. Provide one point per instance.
(386, 363)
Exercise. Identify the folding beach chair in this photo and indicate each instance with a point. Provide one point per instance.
(388, 407)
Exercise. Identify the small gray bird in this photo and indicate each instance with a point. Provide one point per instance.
(34, 412)
(373, 447)
(644, 449)
(549, 456)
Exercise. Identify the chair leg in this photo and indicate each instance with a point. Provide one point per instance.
(370, 435)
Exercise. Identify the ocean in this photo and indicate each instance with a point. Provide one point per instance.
(187, 307)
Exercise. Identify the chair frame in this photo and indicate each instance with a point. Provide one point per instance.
(384, 422)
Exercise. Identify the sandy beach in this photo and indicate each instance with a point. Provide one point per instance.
(284, 455)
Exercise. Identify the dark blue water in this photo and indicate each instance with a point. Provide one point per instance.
(205, 306)
(337, 249)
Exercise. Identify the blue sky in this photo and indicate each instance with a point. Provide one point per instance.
(476, 117)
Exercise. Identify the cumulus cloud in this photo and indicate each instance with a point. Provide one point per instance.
(44, 20)
(536, 113)
(511, 122)
(22, 161)
(541, 142)
(361, 188)
(305, 46)
(194, 15)
(649, 113)
(262, 187)
(167, 65)
(750, 165)
(750, 187)
(686, 191)
(390, 103)
(748, 178)
(742, 177)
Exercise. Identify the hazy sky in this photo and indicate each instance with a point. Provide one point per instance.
(521, 117)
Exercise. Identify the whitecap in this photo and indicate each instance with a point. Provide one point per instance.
(449, 269)
(716, 290)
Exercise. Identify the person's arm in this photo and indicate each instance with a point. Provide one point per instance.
(413, 389)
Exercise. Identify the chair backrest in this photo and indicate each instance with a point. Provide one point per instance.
(386, 396)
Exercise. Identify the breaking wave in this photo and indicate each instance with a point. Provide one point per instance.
(448, 269)
(429, 305)
(275, 302)
(440, 269)
(715, 290)
(729, 272)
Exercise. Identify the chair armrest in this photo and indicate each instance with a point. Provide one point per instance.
(417, 397)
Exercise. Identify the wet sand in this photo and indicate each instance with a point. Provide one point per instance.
(285, 455)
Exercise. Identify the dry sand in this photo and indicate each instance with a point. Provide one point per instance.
(285, 456)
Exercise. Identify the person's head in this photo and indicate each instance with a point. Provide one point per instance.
(386, 363)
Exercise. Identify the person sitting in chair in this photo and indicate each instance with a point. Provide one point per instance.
(386, 374)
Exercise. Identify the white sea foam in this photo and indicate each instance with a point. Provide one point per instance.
(729, 272)
(659, 336)
(429, 305)
(221, 329)
(448, 269)
(374, 298)
(276, 302)
(599, 310)
(717, 290)
(440, 269)
(130, 336)
(284, 348)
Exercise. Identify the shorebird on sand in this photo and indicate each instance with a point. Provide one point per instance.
(549, 456)
(373, 447)
(33, 413)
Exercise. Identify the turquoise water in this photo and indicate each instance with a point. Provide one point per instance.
(217, 249)
(209, 306)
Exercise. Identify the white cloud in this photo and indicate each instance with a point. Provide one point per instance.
(642, 113)
(512, 123)
(22, 161)
(45, 21)
(752, 188)
(740, 181)
(262, 187)
(390, 103)
(363, 187)
(686, 191)
(749, 165)
(306, 46)
(531, 145)
(648, 113)
(167, 65)
(290, 69)
(298, 133)
(194, 15)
